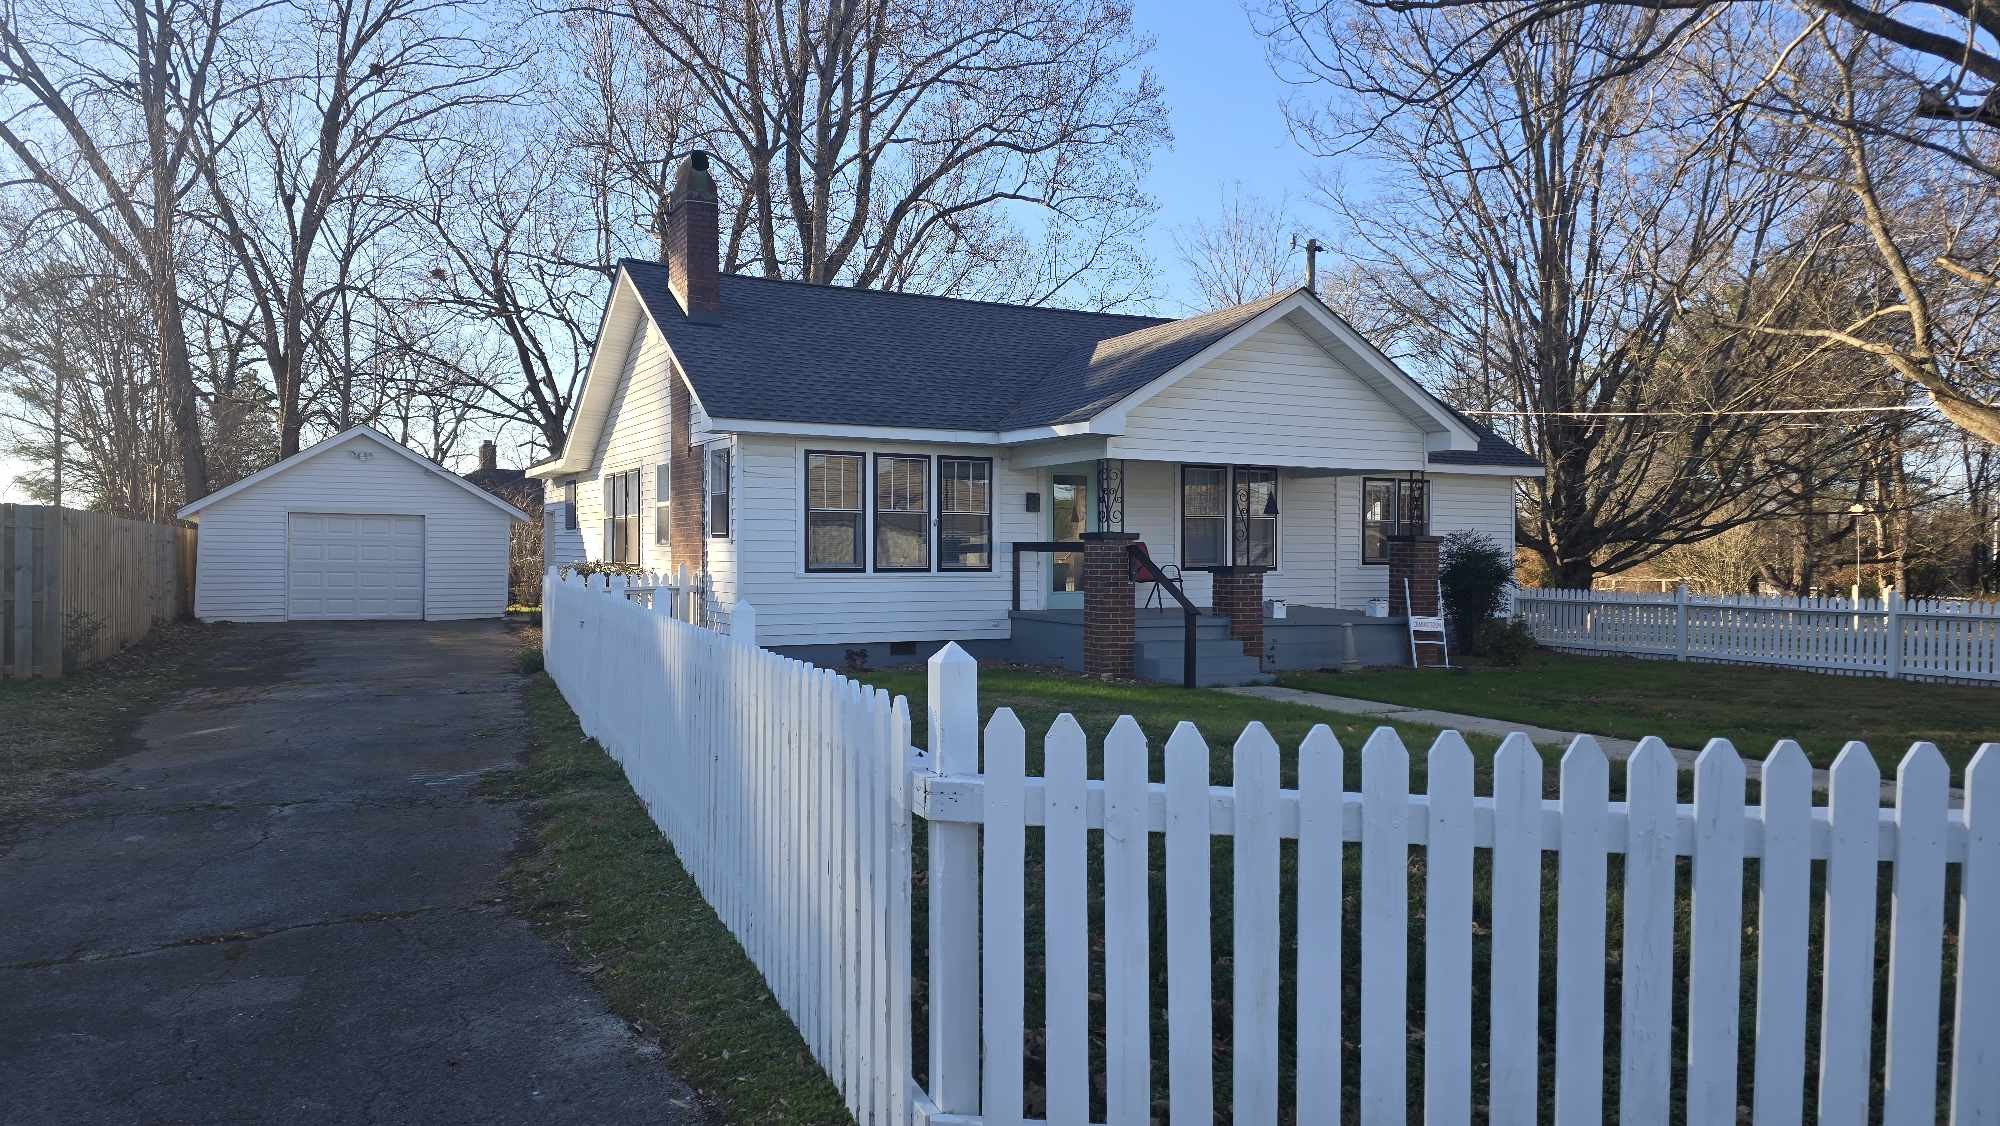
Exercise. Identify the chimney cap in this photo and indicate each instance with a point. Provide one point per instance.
(692, 181)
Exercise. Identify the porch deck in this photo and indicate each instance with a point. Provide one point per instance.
(1308, 637)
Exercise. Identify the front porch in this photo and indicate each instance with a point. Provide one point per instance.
(1307, 637)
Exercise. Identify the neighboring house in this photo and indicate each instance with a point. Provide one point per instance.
(524, 563)
(354, 527)
(859, 464)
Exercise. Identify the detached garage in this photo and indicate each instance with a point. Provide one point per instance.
(356, 527)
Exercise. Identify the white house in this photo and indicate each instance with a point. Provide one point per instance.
(861, 465)
(354, 527)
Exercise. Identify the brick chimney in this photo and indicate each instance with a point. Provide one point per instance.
(489, 457)
(693, 259)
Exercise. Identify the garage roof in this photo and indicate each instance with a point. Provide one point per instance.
(364, 431)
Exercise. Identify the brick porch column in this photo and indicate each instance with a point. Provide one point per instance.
(1109, 647)
(1238, 594)
(686, 464)
(1415, 558)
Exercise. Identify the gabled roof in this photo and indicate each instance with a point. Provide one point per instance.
(831, 356)
(792, 352)
(365, 432)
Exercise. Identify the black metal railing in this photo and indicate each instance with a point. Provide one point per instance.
(1141, 568)
(1139, 564)
(1051, 547)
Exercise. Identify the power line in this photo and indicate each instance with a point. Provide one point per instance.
(1696, 414)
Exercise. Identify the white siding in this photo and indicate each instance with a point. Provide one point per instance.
(1459, 503)
(796, 608)
(636, 434)
(1275, 399)
(241, 572)
(1308, 534)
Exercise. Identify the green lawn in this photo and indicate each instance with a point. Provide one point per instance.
(1689, 703)
(51, 731)
(599, 878)
(601, 875)
(1037, 697)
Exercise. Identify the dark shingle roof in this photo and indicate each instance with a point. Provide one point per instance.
(792, 352)
(1493, 450)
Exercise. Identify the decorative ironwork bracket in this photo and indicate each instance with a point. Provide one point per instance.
(1110, 494)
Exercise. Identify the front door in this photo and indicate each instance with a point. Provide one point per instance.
(1069, 514)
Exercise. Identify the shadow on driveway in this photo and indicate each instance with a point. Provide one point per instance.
(286, 904)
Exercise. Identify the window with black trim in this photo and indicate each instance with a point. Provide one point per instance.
(833, 511)
(569, 505)
(1391, 507)
(902, 512)
(1256, 538)
(718, 492)
(965, 514)
(621, 517)
(663, 508)
(1204, 516)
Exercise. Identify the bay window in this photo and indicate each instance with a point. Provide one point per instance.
(1391, 507)
(833, 512)
(965, 514)
(902, 513)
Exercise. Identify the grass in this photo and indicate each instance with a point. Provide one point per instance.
(1689, 703)
(597, 876)
(58, 729)
(1038, 697)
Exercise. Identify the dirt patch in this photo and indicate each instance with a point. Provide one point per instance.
(58, 730)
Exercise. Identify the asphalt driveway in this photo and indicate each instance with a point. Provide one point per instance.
(286, 906)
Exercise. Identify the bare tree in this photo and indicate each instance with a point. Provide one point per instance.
(101, 109)
(1575, 264)
(1243, 252)
(918, 147)
(1921, 78)
(372, 79)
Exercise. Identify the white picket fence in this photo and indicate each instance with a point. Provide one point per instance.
(781, 786)
(1897, 637)
(788, 792)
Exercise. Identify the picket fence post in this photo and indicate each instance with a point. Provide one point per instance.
(1681, 621)
(1892, 604)
(954, 889)
(743, 622)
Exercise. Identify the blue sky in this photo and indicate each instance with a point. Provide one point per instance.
(1227, 125)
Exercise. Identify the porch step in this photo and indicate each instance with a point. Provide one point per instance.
(1165, 627)
(1219, 661)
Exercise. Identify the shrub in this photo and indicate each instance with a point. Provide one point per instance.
(1504, 642)
(1474, 572)
(531, 661)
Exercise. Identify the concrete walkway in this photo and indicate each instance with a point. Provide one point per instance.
(1616, 749)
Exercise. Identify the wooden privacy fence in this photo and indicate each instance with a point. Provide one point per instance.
(789, 792)
(1896, 637)
(76, 587)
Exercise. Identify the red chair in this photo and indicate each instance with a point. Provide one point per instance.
(1144, 570)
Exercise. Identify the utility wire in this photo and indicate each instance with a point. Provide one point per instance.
(1695, 414)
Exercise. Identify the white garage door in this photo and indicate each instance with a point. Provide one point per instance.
(358, 566)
